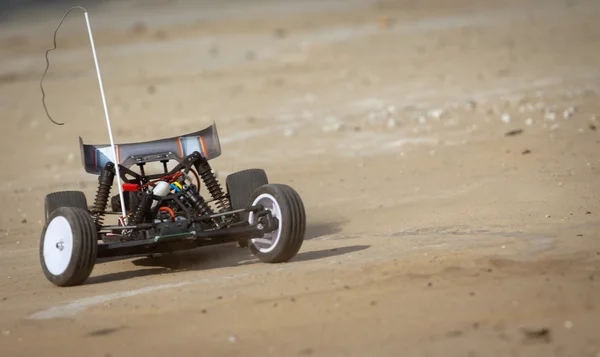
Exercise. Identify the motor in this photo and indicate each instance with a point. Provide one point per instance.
(161, 189)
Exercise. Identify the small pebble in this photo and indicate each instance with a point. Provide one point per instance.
(529, 122)
(505, 118)
(568, 113)
(550, 115)
(233, 339)
(391, 123)
(547, 216)
(335, 127)
(436, 113)
(289, 133)
(568, 324)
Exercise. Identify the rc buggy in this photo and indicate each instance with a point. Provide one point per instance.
(165, 211)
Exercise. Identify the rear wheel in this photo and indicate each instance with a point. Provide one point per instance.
(285, 204)
(64, 199)
(68, 246)
(240, 186)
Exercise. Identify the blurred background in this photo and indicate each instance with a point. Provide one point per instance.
(449, 142)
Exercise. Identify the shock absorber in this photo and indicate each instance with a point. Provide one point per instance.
(196, 201)
(105, 182)
(212, 184)
(142, 209)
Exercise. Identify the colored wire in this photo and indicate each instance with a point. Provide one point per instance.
(167, 209)
(169, 178)
(197, 178)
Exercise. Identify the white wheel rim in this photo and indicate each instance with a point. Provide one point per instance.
(58, 245)
(269, 240)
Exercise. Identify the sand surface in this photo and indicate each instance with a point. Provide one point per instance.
(430, 231)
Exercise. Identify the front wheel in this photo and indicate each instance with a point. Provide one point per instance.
(286, 206)
(68, 246)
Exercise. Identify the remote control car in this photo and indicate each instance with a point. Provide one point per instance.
(165, 211)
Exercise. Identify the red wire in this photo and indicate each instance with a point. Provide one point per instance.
(167, 209)
(197, 178)
(171, 179)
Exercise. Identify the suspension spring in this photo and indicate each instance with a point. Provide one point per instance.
(142, 209)
(212, 184)
(196, 201)
(105, 182)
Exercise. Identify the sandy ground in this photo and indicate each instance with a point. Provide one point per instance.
(431, 232)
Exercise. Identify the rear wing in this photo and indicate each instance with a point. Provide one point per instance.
(206, 142)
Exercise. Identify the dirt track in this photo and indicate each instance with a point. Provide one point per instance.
(431, 232)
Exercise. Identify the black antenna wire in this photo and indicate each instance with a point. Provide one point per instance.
(48, 62)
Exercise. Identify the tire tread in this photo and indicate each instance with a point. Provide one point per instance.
(59, 199)
(85, 247)
(294, 216)
(242, 184)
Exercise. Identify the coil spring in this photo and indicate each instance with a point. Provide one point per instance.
(105, 182)
(199, 203)
(213, 186)
(142, 208)
(204, 209)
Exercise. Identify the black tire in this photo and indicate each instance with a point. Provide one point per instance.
(240, 186)
(64, 199)
(292, 223)
(76, 267)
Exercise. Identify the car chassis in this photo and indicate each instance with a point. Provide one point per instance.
(166, 210)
